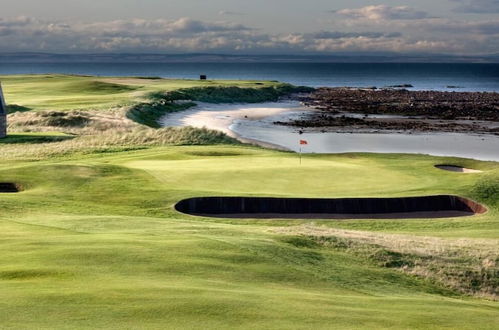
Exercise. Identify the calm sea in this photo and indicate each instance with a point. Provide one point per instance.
(456, 77)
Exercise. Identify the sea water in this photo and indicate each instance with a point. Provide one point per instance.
(423, 76)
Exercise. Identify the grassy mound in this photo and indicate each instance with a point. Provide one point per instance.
(36, 146)
(232, 94)
(452, 264)
(149, 113)
(487, 188)
(58, 119)
(71, 92)
(98, 87)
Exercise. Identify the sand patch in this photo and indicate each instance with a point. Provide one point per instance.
(458, 169)
(221, 117)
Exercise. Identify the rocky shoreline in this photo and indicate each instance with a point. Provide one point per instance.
(350, 109)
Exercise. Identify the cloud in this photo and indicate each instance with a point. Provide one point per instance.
(440, 28)
(480, 28)
(17, 21)
(193, 26)
(189, 35)
(230, 13)
(477, 6)
(343, 35)
(383, 12)
(160, 26)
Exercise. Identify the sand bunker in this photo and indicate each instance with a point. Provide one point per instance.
(442, 206)
(9, 187)
(454, 168)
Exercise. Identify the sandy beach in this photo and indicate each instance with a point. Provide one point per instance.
(222, 117)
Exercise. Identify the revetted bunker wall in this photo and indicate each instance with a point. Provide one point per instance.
(262, 207)
(8, 187)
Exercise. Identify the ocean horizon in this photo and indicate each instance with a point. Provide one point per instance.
(473, 77)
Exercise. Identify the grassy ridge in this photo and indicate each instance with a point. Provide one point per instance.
(148, 114)
(450, 263)
(71, 92)
(233, 94)
(34, 146)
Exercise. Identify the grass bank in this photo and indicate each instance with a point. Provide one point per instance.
(56, 92)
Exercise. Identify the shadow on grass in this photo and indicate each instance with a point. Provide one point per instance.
(11, 108)
(18, 138)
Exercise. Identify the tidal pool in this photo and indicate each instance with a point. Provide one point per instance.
(255, 123)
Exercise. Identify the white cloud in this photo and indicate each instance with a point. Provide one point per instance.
(383, 12)
(188, 35)
(343, 35)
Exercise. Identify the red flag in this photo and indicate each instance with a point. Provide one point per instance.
(303, 142)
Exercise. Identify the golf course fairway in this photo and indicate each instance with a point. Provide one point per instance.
(93, 241)
(90, 238)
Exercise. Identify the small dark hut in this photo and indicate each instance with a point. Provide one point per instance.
(203, 77)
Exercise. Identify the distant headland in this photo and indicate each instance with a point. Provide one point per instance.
(384, 57)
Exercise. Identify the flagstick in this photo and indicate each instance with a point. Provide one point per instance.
(300, 155)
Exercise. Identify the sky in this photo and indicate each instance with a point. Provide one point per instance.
(460, 27)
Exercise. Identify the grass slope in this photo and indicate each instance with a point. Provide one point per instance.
(93, 242)
(71, 92)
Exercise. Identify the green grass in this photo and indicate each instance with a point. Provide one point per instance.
(71, 92)
(93, 242)
(232, 94)
(149, 113)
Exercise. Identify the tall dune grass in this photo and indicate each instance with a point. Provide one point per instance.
(97, 131)
(469, 266)
(115, 140)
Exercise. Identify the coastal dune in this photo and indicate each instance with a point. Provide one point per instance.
(222, 116)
